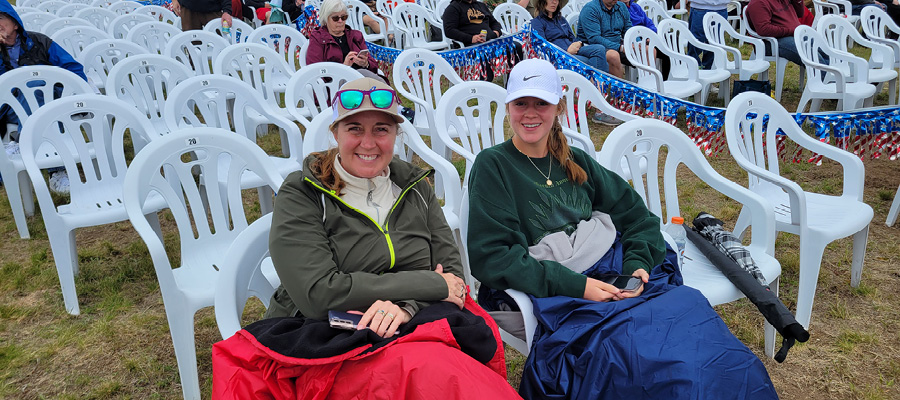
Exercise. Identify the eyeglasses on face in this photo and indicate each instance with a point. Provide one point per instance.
(337, 18)
(352, 99)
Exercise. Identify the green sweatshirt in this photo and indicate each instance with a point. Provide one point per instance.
(511, 208)
(331, 256)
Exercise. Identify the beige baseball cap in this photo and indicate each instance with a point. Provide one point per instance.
(364, 84)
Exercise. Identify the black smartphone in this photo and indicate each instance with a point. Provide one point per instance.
(343, 320)
(626, 283)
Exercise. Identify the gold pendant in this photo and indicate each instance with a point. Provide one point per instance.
(549, 182)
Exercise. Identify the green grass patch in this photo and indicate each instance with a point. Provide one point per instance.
(847, 341)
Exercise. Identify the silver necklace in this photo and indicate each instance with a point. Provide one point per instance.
(549, 182)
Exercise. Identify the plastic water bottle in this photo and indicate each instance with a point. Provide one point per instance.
(676, 230)
(226, 27)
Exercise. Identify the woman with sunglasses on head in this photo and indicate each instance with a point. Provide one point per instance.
(335, 41)
(613, 320)
(361, 231)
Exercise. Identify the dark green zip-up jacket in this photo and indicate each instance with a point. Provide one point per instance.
(330, 256)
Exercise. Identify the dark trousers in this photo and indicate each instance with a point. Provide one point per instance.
(192, 20)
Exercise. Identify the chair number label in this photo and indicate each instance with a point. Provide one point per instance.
(204, 83)
(143, 62)
(111, 45)
(639, 133)
(191, 141)
(35, 73)
(473, 91)
(323, 70)
(79, 104)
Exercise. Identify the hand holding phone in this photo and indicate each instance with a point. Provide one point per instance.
(364, 53)
(626, 283)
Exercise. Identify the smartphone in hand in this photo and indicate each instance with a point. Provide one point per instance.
(363, 53)
(343, 320)
(626, 283)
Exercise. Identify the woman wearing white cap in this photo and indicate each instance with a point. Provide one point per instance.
(361, 231)
(547, 220)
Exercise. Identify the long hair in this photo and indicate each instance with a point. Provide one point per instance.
(541, 7)
(324, 170)
(559, 149)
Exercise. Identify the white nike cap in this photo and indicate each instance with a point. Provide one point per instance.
(534, 77)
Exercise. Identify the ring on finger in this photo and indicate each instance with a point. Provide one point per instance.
(382, 312)
(389, 315)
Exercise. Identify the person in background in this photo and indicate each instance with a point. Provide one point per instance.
(335, 41)
(778, 19)
(19, 48)
(699, 8)
(195, 14)
(551, 26)
(604, 22)
(640, 18)
(472, 22)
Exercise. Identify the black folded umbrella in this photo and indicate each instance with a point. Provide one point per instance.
(717, 245)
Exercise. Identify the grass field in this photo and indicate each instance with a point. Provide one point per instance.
(119, 347)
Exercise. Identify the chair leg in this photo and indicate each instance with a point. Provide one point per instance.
(810, 263)
(769, 335)
(62, 245)
(266, 202)
(14, 192)
(860, 240)
(892, 91)
(181, 326)
(780, 65)
(895, 209)
(804, 99)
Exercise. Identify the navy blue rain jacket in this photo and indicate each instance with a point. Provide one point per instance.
(556, 30)
(667, 343)
(37, 48)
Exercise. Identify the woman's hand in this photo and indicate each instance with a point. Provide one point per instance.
(640, 273)
(383, 317)
(574, 47)
(600, 291)
(362, 61)
(456, 287)
(176, 8)
(350, 59)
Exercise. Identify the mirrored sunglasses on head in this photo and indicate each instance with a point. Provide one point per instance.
(351, 99)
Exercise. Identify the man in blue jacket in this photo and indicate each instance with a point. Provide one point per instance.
(604, 22)
(18, 48)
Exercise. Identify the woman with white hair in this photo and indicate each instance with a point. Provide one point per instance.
(334, 41)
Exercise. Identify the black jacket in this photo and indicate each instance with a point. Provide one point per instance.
(207, 6)
(462, 20)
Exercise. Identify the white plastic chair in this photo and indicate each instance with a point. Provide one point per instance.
(50, 6)
(75, 38)
(120, 26)
(844, 78)
(99, 17)
(676, 37)
(356, 10)
(877, 25)
(716, 29)
(572, 19)
(206, 229)
(301, 58)
(822, 8)
(641, 45)
(35, 21)
(735, 20)
(161, 14)
(145, 80)
(655, 10)
(311, 89)
(412, 23)
(817, 218)
(780, 62)
(225, 102)
(246, 271)
(641, 141)
(420, 76)
(386, 9)
(63, 22)
(284, 39)
(839, 33)
(260, 67)
(196, 50)
(123, 7)
(99, 58)
(103, 3)
(71, 9)
(83, 133)
(240, 30)
(895, 209)
(578, 91)
(25, 10)
(512, 17)
(152, 36)
(35, 82)
(473, 113)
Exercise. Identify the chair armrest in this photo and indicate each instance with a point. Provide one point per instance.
(844, 4)
(692, 66)
(719, 53)
(795, 193)
(584, 142)
(527, 309)
(854, 170)
(859, 67)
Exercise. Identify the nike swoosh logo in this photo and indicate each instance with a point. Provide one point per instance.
(527, 78)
